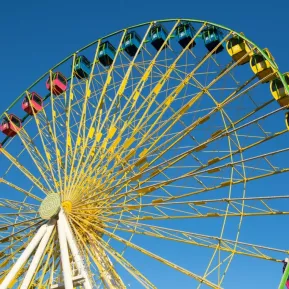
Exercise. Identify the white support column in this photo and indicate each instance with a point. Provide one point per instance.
(67, 274)
(76, 254)
(38, 254)
(24, 257)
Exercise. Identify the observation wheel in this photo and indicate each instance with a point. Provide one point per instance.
(153, 157)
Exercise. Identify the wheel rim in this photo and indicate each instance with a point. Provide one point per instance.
(167, 137)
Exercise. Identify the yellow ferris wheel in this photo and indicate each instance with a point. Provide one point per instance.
(150, 158)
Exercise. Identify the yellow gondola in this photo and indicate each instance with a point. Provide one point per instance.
(278, 90)
(262, 67)
(238, 48)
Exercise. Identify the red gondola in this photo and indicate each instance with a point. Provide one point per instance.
(11, 125)
(35, 104)
(58, 82)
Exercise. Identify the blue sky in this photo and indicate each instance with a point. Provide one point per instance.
(35, 35)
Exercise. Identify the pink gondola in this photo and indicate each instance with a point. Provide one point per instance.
(35, 104)
(11, 125)
(58, 82)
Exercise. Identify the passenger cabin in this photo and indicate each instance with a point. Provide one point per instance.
(106, 53)
(212, 38)
(185, 33)
(82, 67)
(58, 83)
(262, 67)
(32, 103)
(158, 36)
(278, 90)
(131, 43)
(238, 49)
(11, 125)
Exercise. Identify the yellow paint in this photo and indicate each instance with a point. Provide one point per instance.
(109, 78)
(78, 141)
(215, 170)
(155, 172)
(137, 177)
(116, 142)
(280, 94)
(140, 162)
(157, 201)
(263, 68)
(227, 183)
(203, 146)
(112, 131)
(199, 203)
(136, 95)
(67, 206)
(179, 88)
(214, 160)
(104, 144)
(131, 153)
(143, 153)
(216, 133)
(144, 166)
(169, 100)
(98, 136)
(147, 218)
(157, 88)
(91, 132)
(122, 86)
(128, 142)
(204, 119)
(239, 50)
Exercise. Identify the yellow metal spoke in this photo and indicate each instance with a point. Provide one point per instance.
(26, 193)
(242, 248)
(41, 123)
(156, 257)
(24, 170)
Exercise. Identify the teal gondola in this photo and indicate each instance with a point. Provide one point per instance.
(106, 53)
(185, 33)
(82, 67)
(212, 37)
(158, 36)
(131, 43)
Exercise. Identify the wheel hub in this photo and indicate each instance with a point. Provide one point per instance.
(50, 206)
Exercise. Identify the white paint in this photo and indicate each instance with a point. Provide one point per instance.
(24, 257)
(75, 253)
(67, 274)
(37, 257)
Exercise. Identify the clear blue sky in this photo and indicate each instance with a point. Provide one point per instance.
(35, 35)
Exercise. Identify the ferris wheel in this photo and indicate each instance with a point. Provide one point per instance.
(147, 157)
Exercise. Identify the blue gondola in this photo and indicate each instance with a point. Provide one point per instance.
(185, 33)
(212, 37)
(131, 43)
(158, 35)
(82, 67)
(106, 53)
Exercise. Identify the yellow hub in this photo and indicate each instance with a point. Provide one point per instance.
(67, 206)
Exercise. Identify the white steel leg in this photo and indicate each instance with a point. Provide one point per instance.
(67, 274)
(24, 257)
(37, 257)
(76, 254)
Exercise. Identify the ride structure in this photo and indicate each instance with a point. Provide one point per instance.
(153, 140)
